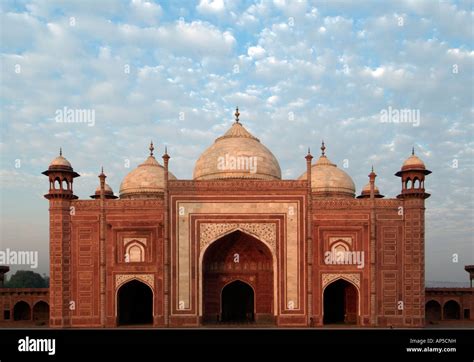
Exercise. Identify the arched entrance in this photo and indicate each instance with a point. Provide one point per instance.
(451, 310)
(21, 311)
(432, 311)
(237, 302)
(41, 311)
(237, 267)
(340, 303)
(134, 303)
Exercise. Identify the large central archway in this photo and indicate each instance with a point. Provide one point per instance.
(134, 304)
(238, 285)
(340, 303)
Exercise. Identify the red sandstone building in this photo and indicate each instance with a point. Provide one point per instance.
(236, 244)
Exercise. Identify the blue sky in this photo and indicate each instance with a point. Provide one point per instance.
(300, 71)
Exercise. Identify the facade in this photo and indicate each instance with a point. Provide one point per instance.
(237, 244)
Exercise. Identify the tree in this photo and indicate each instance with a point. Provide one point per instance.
(27, 279)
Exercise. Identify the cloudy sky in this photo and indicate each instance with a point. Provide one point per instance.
(300, 71)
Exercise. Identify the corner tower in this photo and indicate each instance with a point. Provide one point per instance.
(412, 245)
(61, 176)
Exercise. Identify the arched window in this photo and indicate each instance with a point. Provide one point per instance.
(57, 183)
(339, 246)
(135, 252)
(416, 183)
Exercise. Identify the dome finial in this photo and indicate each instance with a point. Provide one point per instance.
(372, 168)
(151, 148)
(413, 150)
(323, 148)
(237, 114)
(309, 151)
(60, 151)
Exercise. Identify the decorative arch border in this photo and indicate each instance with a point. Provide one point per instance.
(147, 279)
(224, 229)
(263, 231)
(353, 278)
(328, 278)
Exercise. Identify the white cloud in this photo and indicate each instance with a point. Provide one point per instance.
(256, 52)
(145, 11)
(211, 6)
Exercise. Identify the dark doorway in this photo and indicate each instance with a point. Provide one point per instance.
(135, 304)
(467, 314)
(340, 303)
(237, 302)
(21, 311)
(41, 311)
(451, 310)
(432, 311)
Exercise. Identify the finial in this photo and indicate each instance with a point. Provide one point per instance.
(60, 151)
(323, 148)
(102, 169)
(309, 151)
(166, 150)
(372, 168)
(237, 114)
(151, 148)
(413, 150)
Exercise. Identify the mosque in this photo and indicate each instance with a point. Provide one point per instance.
(237, 244)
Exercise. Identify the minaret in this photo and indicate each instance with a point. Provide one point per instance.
(412, 247)
(61, 213)
(102, 250)
(309, 239)
(167, 246)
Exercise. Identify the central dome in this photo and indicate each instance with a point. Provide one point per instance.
(237, 154)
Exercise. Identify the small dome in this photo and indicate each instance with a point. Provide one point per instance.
(60, 163)
(147, 180)
(366, 188)
(109, 193)
(328, 180)
(413, 162)
(365, 193)
(237, 154)
(107, 189)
